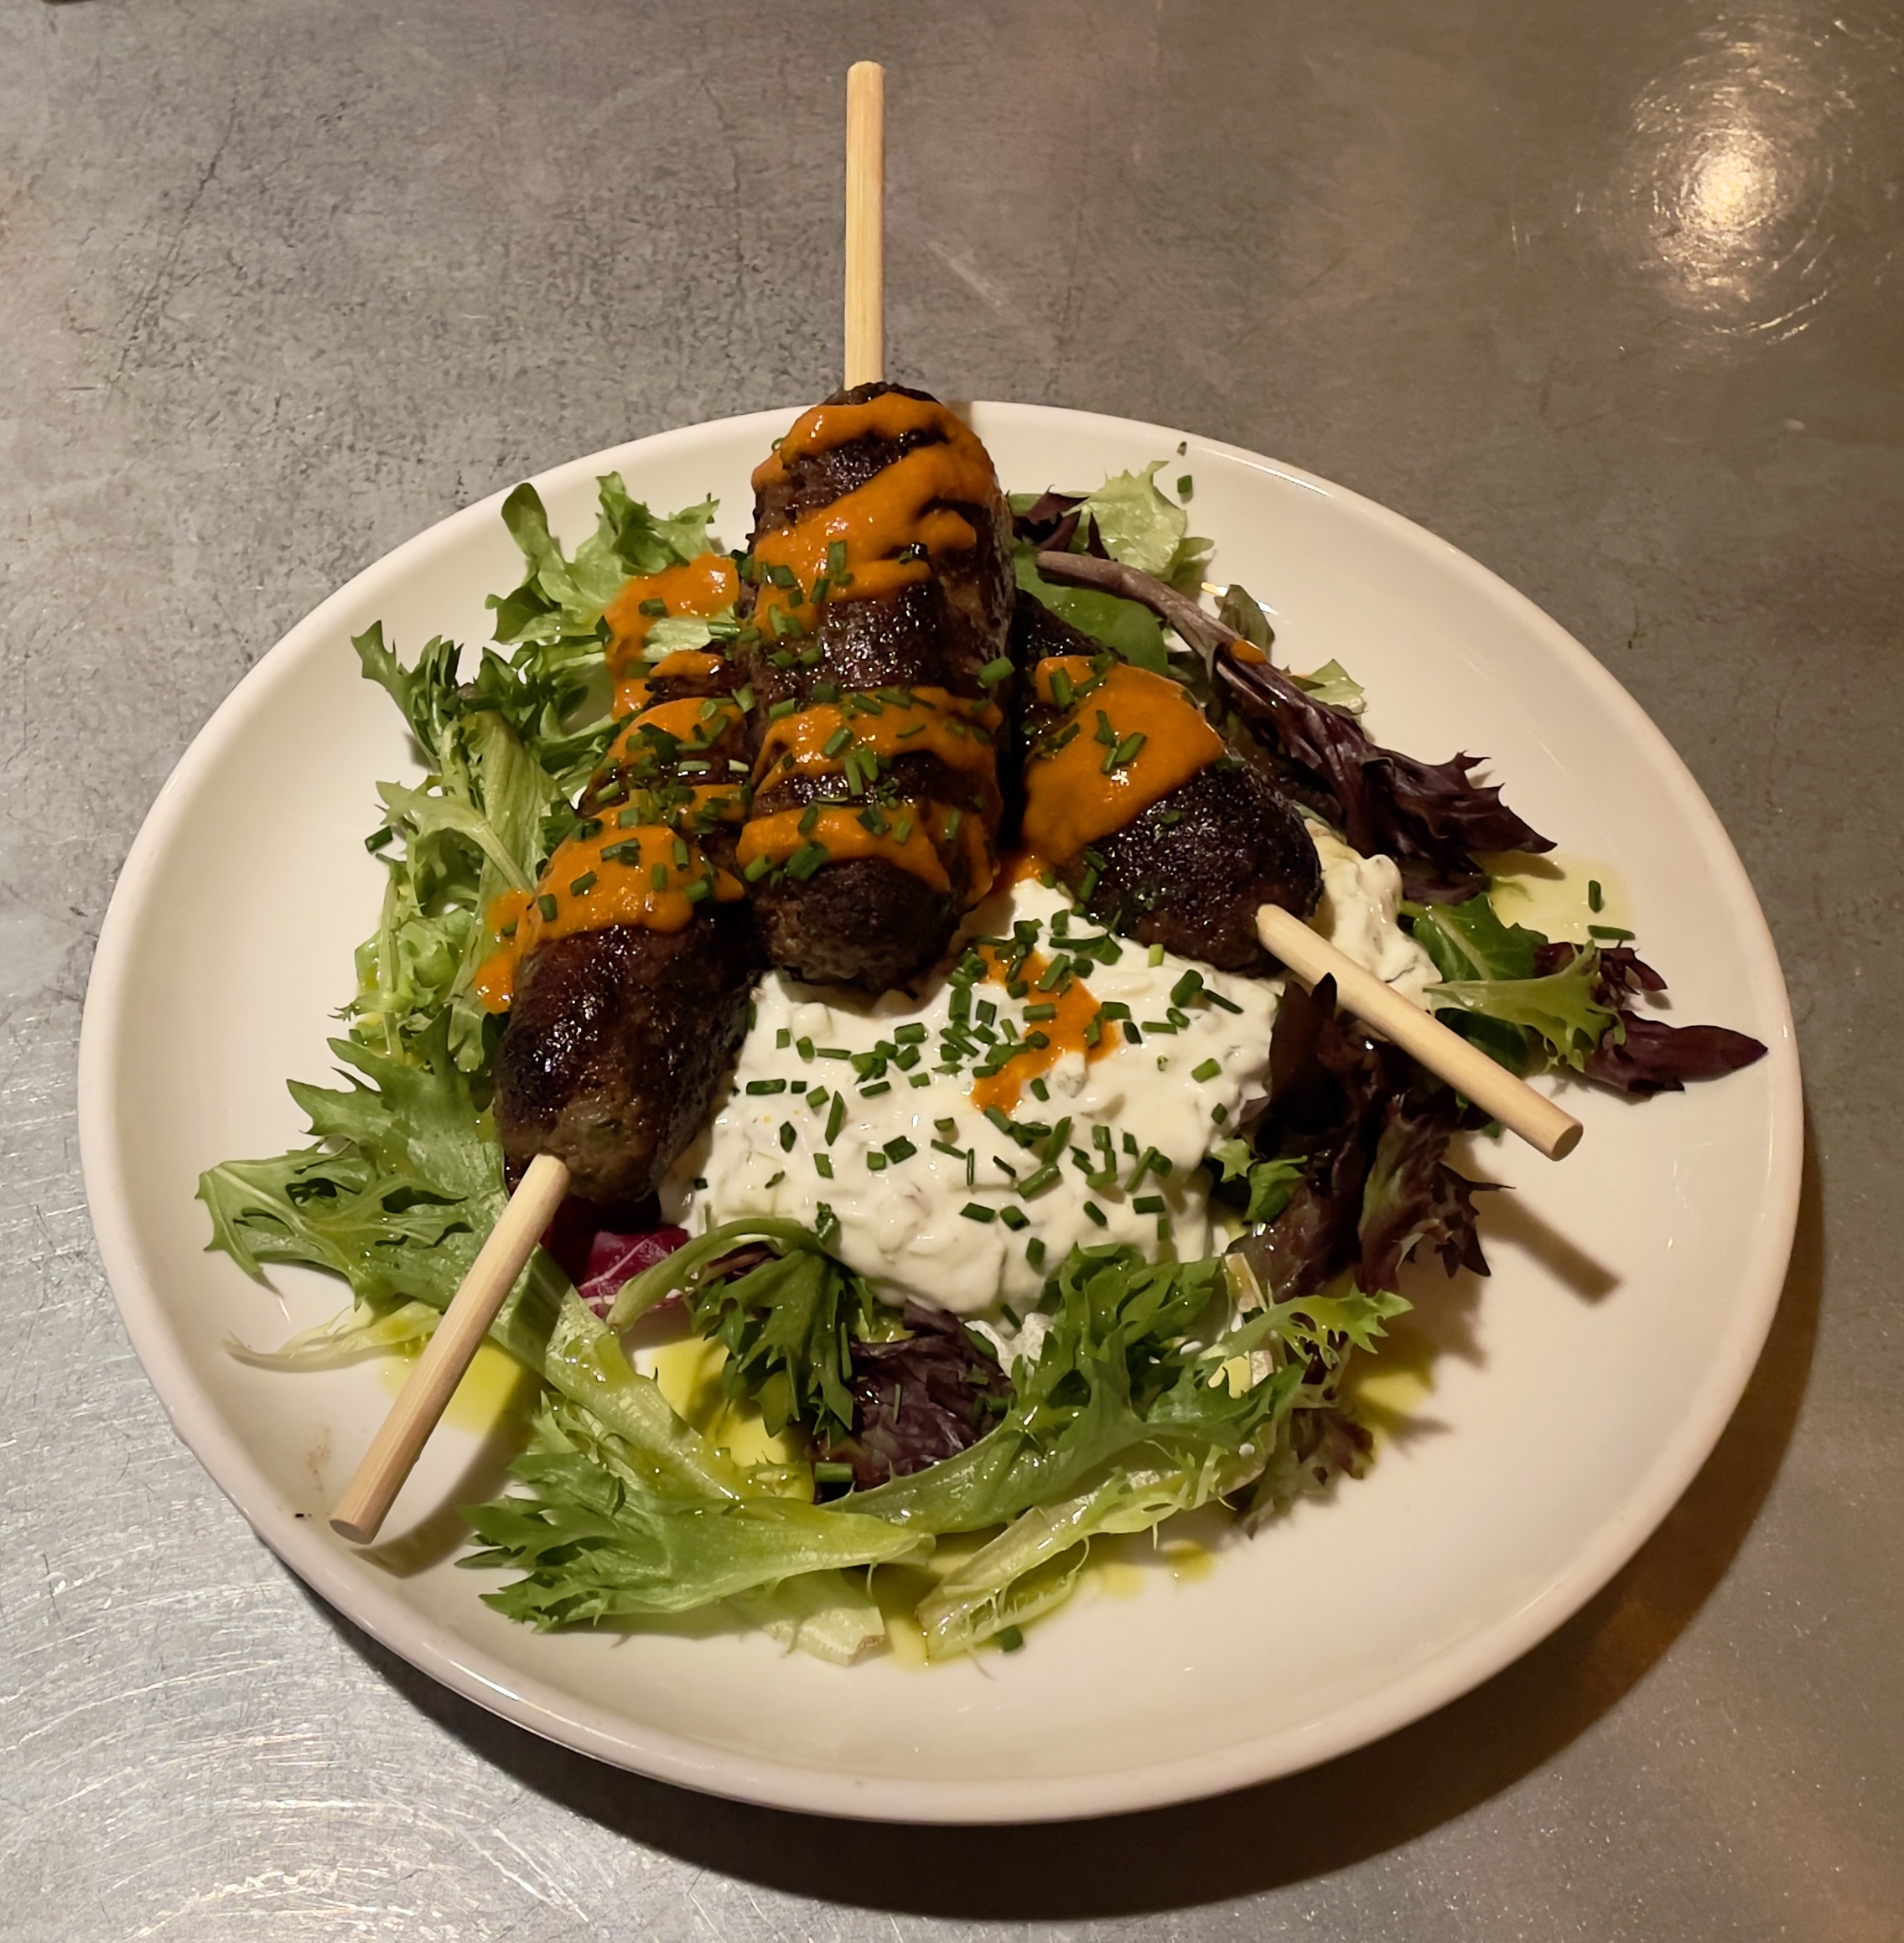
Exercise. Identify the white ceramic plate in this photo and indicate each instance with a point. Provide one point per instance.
(1573, 1395)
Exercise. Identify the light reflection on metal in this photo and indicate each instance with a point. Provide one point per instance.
(1742, 168)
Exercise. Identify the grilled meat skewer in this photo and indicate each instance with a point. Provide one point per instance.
(627, 976)
(877, 610)
(1152, 821)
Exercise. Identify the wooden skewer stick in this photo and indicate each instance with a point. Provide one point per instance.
(394, 1451)
(865, 223)
(1446, 1054)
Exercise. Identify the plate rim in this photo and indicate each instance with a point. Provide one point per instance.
(559, 1717)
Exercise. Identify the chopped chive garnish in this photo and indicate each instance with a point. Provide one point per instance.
(700, 890)
(581, 885)
(1014, 1218)
(1185, 486)
(976, 1212)
(1596, 897)
(787, 1137)
(1040, 1090)
(658, 876)
(773, 1180)
(1219, 1114)
(1612, 933)
(766, 1085)
(1208, 1070)
(947, 1146)
(909, 1035)
(1186, 987)
(1149, 1205)
(823, 1166)
(840, 739)
(994, 672)
(899, 1149)
(833, 1474)
(1038, 1180)
(754, 870)
(781, 710)
(783, 1039)
(876, 1162)
(877, 1087)
(804, 1047)
(1034, 1252)
(1094, 1213)
(836, 557)
(1062, 690)
(1132, 1037)
(546, 904)
(654, 610)
(836, 1118)
(380, 839)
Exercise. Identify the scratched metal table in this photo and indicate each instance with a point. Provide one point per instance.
(1606, 295)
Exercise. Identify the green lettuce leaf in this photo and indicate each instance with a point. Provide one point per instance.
(1141, 527)
(473, 829)
(561, 596)
(1267, 1185)
(1334, 687)
(595, 1541)
(1144, 529)
(1122, 625)
(786, 1324)
(1487, 974)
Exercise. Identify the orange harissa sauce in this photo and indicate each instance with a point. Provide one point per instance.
(624, 865)
(625, 891)
(849, 550)
(1063, 1033)
(1076, 790)
(700, 589)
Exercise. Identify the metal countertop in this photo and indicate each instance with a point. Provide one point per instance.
(1606, 296)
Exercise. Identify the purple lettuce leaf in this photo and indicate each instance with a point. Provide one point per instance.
(614, 1259)
(919, 1399)
(1429, 817)
(1640, 1056)
(1374, 1130)
(1655, 1057)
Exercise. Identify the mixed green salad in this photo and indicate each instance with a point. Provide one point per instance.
(1138, 1387)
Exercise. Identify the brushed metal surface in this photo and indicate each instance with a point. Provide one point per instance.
(1605, 296)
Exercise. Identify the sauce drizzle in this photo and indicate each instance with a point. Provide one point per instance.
(1126, 739)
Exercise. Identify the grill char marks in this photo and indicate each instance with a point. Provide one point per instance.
(1189, 869)
(617, 1043)
(919, 637)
